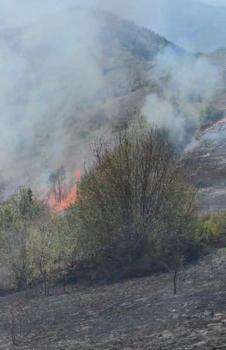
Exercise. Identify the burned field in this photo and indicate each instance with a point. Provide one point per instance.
(137, 314)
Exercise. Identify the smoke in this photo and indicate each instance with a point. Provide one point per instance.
(51, 67)
(188, 85)
(124, 8)
(47, 69)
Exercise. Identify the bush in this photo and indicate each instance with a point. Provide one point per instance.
(135, 214)
(36, 244)
(213, 227)
(19, 224)
(135, 208)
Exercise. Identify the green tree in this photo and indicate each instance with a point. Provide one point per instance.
(20, 220)
(130, 197)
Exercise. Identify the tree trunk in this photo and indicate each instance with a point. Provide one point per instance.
(175, 282)
(13, 325)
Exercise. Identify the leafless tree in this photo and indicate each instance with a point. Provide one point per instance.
(57, 184)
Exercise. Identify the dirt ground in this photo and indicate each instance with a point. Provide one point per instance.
(137, 314)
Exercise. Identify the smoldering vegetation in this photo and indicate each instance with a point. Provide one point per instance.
(71, 77)
(48, 69)
(82, 85)
(134, 214)
(61, 73)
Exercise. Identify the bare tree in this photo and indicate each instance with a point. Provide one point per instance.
(16, 309)
(13, 324)
(57, 184)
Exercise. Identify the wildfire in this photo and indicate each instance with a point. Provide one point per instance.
(61, 197)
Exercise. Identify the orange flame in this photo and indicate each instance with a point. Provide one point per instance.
(68, 197)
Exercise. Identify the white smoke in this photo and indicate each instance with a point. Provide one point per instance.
(47, 70)
(188, 84)
(51, 65)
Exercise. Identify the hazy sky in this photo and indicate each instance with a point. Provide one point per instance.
(15, 12)
(215, 2)
(189, 23)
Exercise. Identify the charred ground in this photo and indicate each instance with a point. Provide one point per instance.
(138, 314)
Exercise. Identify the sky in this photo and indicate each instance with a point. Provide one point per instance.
(15, 13)
(215, 2)
(191, 24)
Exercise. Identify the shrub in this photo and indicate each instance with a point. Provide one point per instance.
(135, 205)
(213, 227)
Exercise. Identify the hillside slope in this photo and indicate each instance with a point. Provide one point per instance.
(205, 157)
(70, 83)
(67, 70)
(206, 161)
(138, 314)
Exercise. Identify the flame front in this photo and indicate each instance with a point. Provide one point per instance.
(67, 198)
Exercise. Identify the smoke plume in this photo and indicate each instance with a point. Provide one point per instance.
(51, 66)
(48, 69)
(188, 84)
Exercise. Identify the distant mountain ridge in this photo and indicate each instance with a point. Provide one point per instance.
(198, 22)
(194, 25)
